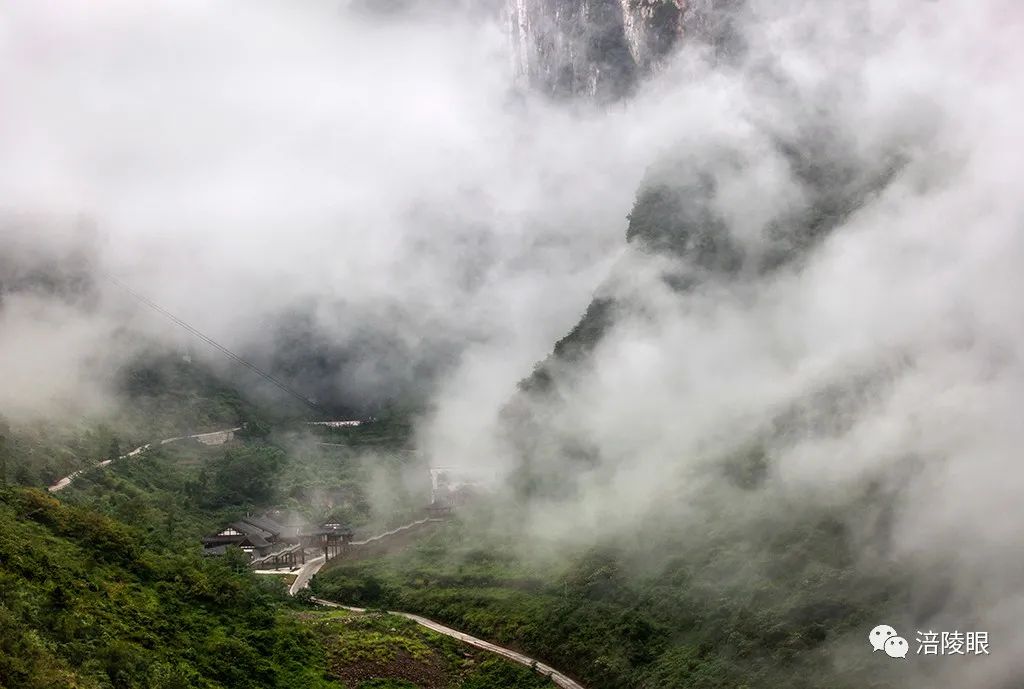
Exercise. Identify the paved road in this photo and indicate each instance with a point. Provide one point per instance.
(557, 677)
(305, 574)
(211, 438)
(313, 566)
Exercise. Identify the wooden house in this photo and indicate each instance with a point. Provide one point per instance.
(333, 536)
(257, 536)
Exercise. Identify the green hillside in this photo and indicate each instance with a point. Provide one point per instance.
(84, 603)
(754, 605)
(103, 584)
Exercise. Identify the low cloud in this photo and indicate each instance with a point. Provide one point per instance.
(882, 352)
(384, 178)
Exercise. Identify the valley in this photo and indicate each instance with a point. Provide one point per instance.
(511, 344)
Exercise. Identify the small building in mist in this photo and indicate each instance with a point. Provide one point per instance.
(256, 536)
(332, 537)
(281, 538)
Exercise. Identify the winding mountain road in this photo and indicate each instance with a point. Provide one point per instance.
(211, 438)
(554, 675)
(313, 566)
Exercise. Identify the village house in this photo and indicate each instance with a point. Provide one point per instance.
(281, 539)
(333, 536)
(257, 536)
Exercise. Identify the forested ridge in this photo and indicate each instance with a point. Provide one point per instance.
(83, 600)
(763, 605)
(104, 584)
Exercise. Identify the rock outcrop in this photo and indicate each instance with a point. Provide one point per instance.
(591, 48)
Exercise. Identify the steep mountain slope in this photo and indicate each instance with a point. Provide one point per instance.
(678, 232)
(747, 604)
(106, 587)
(695, 570)
(84, 602)
(160, 396)
(84, 605)
(600, 49)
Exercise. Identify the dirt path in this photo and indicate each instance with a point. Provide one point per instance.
(557, 677)
(211, 438)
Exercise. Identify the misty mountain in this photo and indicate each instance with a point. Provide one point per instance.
(597, 50)
(602, 49)
(762, 255)
(677, 220)
(373, 369)
(675, 216)
(30, 268)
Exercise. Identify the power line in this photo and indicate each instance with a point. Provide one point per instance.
(216, 345)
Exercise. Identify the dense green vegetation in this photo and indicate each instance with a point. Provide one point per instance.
(161, 396)
(84, 604)
(172, 493)
(106, 586)
(380, 651)
(181, 491)
(764, 605)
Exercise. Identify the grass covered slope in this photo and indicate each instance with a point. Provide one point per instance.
(159, 396)
(179, 492)
(103, 585)
(779, 605)
(82, 601)
(375, 650)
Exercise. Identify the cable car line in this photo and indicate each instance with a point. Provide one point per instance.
(216, 345)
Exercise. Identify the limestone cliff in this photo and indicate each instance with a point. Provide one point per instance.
(591, 48)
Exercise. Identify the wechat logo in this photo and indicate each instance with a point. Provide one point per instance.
(884, 638)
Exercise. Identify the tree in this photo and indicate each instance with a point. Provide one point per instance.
(246, 475)
(3, 458)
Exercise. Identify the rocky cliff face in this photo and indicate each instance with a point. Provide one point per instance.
(675, 217)
(592, 48)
